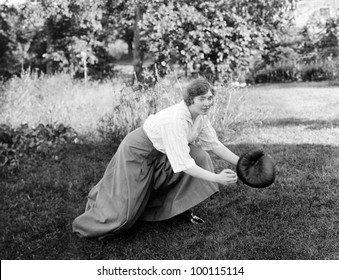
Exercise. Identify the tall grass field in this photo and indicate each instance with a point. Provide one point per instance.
(295, 218)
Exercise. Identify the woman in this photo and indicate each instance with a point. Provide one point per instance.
(160, 170)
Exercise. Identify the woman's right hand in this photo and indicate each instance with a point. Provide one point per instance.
(226, 177)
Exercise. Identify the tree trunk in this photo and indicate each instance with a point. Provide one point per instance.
(49, 45)
(137, 54)
(130, 47)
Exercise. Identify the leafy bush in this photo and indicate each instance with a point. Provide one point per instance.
(307, 54)
(280, 73)
(313, 72)
(212, 38)
(326, 69)
(22, 142)
(332, 68)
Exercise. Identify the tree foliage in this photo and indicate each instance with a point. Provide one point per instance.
(60, 34)
(218, 39)
(14, 41)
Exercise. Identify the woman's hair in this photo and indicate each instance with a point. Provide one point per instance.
(197, 87)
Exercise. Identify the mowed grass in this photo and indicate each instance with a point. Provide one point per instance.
(290, 114)
(295, 218)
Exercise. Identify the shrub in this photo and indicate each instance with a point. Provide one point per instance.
(21, 142)
(283, 72)
(332, 68)
(326, 69)
(314, 72)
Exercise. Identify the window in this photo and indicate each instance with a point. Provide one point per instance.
(324, 12)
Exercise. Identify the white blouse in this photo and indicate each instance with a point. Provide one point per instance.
(172, 130)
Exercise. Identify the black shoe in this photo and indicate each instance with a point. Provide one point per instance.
(190, 217)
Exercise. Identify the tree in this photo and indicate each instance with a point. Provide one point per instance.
(42, 16)
(15, 41)
(214, 38)
(67, 29)
(118, 21)
(329, 40)
(125, 18)
(7, 39)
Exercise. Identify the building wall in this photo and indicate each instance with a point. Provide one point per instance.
(318, 9)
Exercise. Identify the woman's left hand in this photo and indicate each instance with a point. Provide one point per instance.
(227, 177)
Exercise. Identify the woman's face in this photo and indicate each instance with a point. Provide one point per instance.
(201, 104)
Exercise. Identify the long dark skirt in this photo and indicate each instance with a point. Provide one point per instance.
(139, 183)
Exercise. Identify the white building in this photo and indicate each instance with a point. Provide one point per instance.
(315, 9)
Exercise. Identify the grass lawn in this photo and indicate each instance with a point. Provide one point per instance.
(295, 218)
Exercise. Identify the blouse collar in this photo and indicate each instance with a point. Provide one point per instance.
(186, 112)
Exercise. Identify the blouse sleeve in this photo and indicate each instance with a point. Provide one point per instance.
(174, 137)
(208, 137)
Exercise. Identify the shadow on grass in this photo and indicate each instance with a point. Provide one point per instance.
(295, 218)
(306, 85)
(310, 124)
